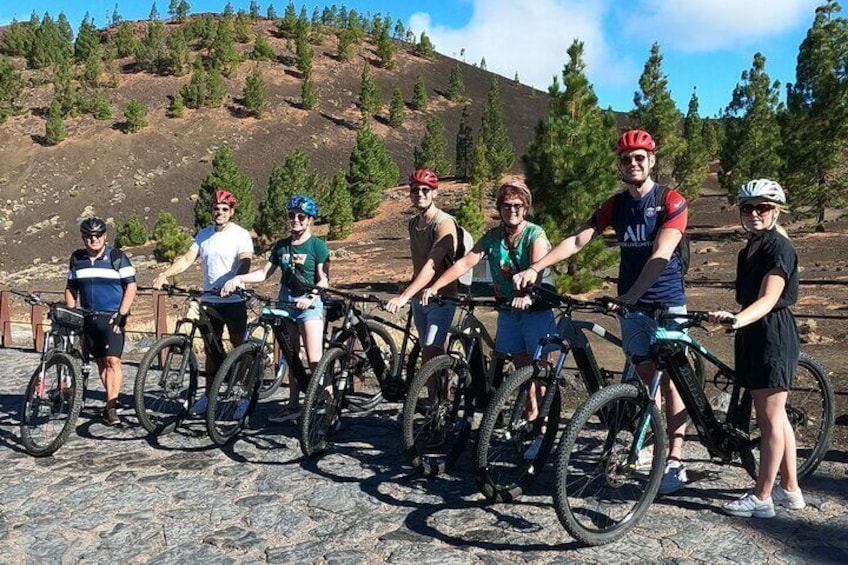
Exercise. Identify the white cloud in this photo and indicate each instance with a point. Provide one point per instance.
(709, 25)
(531, 38)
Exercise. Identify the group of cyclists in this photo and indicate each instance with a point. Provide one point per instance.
(649, 222)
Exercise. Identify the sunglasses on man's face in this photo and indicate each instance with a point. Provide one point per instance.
(221, 209)
(94, 235)
(300, 217)
(414, 190)
(627, 159)
(760, 209)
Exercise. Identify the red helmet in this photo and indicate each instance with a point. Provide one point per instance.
(424, 176)
(635, 139)
(224, 197)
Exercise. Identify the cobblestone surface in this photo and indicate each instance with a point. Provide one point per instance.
(113, 495)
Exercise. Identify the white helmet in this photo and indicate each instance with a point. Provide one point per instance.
(762, 188)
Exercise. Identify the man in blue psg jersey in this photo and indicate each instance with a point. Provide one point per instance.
(102, 281)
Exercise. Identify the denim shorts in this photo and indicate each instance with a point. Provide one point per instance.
(315, 312)
(433, 322)
(519, 331)
(637, 329)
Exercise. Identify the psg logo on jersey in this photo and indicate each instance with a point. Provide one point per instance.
(650, 212)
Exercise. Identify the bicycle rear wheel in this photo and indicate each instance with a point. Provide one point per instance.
(365, 391)
(323, 404)
(52, 404)
(511, 450)
(234, 392)
(597, 495)
(165, 384)
(437, 415)
(810, 409)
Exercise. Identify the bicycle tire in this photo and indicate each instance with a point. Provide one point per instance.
(236, 381)
(810, 409)
(271, 381)
(48, 416)
(162, 394)
(502, 468)
(364, 385)
(321, 411)
(435, 430)
(593, 455)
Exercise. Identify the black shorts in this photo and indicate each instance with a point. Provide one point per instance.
(101, 339)
(233, 315)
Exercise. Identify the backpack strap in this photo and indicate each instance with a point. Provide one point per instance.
(116, 256)
(662, 191)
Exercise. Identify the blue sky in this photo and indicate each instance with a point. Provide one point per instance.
(705, 43)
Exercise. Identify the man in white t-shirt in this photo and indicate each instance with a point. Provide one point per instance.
(225, 250)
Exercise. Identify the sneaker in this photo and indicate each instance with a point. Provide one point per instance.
(199, 406)
(286, 414)
(749, 505)
(791, 499)
(110, 415)
(533, 451)
(674, 478)
(241, 408)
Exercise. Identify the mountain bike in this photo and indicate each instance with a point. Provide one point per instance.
(350, 374)
(166, 380)
(602, 490)
(394, 385)
(438, 412)
(55, 392)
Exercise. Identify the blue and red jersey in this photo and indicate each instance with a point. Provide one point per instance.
(636, 225)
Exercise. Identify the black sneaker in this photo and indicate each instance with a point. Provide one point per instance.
(110, 416)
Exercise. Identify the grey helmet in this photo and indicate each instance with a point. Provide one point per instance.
(762, 188)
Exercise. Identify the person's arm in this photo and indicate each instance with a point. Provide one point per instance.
(455, 271)
(770, 292)
(446, 242)
(664, 247)
(257, 276)
(562, 251)
(243, 265)
(179, 265)
(127, 300)
(70, 297)
(540, 247)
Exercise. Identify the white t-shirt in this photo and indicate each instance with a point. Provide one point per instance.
(219, 252)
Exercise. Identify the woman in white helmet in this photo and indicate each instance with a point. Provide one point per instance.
(767, 344)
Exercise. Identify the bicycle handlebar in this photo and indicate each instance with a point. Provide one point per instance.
(351, 296)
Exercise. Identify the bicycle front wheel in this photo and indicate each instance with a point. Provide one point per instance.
(810, 409)
(512, 448)
(165, 384)
(437, 415)
(598, 496)
(234, 392)
(52, 404)
(323, 404)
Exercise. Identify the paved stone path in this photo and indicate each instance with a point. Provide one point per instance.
(117, 496)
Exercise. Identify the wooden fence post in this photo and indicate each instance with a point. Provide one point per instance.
(5, 319)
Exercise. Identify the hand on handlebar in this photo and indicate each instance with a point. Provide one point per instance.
(525, 278)
(521, 302)
(231, 286)
(160, 281)
(395, 304)
(305, 301)
(426, 295)
(724, 318)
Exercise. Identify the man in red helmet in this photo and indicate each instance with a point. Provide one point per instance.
(432, 243)
(225, 250)
(649, 223)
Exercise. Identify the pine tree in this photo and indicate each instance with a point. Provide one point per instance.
(183, 9)
(304, 54)
(55, 131)
(431, 154)
(479, 172)
(171, 241)
(464, 146)
(571, 167)
(126, 42)
(713, 129)
(194, 93)
(65, 89)
(419, 95)
(225, 175)
(656, 113)
(87, 42)
(176, 61)
(370, 96)
(371, 171)
(424, 48)
(354, 24)
(93, 69)
(262, 50)
(224, 55)
(339, 213)
(385, 49)
(295, 175)
(752, 143)
(344, 51)
(397, 109)
(470, 214)
(215, 89)
(287, 24)
(271, 13)
(255, 93)
(152, 52)
(254, 10)
(308, 93)
(18, 38)
(11, 87)
(102, 110)
(176, 109)
(456, 87)
(135, 114)
(400, 30)
(153, 16)
(131, 232)
(172, 8)
(816, 125)
(500, 154)
(691, 168)
(242, 27)
(116, 16)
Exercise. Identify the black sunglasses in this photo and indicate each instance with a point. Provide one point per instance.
(300, 217)
(749, 209)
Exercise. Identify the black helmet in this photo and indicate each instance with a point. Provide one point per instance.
(92, 226)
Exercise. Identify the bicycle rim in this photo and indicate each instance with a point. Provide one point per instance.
(597, 495)
(232, 394)
(165, 385)
(322, 407)
(51, 405)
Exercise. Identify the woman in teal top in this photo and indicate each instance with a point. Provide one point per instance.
(305, 263)
(510, 247)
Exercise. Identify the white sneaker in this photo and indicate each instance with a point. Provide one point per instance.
(199, 406)
(749, 505)
(791, 499)
(674, 478)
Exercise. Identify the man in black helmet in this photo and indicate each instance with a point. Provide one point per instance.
(102, 281)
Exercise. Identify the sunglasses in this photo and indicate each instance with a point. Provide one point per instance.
(221, 209)
(93, 235)
(300, 217)
(425, 190)
(627, 159)
(760, 209)
(512, 207)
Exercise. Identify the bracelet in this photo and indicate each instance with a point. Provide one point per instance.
(534, 269)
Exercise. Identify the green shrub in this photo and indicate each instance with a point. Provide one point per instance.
(171, 242)
(130, 233)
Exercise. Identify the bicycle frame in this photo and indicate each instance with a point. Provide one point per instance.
(273, 320)
(408, 337)
(353, 330)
